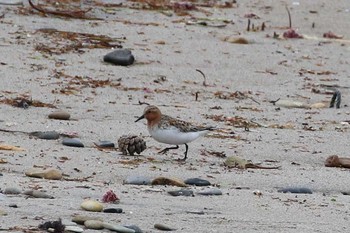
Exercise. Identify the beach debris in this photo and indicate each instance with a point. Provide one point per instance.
(331, 35)
(50, 173)
(59, 115)
(110, 197)
(292, 34)
(236, 162)
(73, 142)
(336, 99)
(181, 192)
(257, 193)
(122, 57)
(300, 190)
(163, 227)
(168, 181)
(236, 40)
(25, 102)
(131, 144)
(53, 226)
(91, 205)
(10, 147)
(210, 192)
(197, 182)
(336, 161)
(47, 135)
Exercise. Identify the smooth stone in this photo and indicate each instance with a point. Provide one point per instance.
(135, 228)
(48, 135)
(13, 205)
(295, 190)
(291, 104)
(59, 115)
(181, 192)
(3, 213)
(168, 181)
(2, 197)
(74, 142)
(197, 182)
(210, 191)
(163, 227)
(67, 222)
(113, 210)
(50, 173)
(121, 57)
(80, 219)
(117, 228)
(37, 194)
(137, 180)
(73, 229)
(94, 224)
(105, 144)
(12, 190)
(91, 205)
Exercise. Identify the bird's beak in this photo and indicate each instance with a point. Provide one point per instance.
(140, 118)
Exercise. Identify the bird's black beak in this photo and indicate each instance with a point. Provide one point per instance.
(140, 118)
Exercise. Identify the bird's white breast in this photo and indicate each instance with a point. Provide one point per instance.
(173, 136)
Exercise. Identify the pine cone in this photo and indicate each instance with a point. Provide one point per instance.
(131, 144)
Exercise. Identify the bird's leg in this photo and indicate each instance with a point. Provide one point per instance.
(168, 148)
(185, 152)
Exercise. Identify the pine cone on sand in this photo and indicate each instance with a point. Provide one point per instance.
(131, 144)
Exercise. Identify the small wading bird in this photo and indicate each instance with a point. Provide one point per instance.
(166, 129)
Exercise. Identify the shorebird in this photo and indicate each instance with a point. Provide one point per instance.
(168, 130)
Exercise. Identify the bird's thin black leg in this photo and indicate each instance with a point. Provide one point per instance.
(167, 149)
(185, 152)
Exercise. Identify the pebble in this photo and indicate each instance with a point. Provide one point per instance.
(94, 224)
(168, 181)
(181, 192)
(12, 190)
(13, 205)
(137, 180)
(113, 210)
(121, 57)
(59, 115)
(3, 213)
(295, 190)
(80, 219)
(48, 135)
(67, 222)
(210, 191)
(50, 173)
(135, 228)
(163, 227)
(91, 205)
(74, 142)
(197, 182)
(37, 194)
(105, 144)
(2, 197)
(73, 229)
(117, 228)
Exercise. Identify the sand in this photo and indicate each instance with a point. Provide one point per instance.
(169, 51)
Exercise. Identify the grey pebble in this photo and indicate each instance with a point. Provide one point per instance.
(48, 135)
(135, 228)
(12, 190)
(59, 115)
(181, 192)
(73, 229)
(210, 191)
(74, 142)
(94, 224)
(105, 144)
(37, 194)
(121, 57)
(197, 182)
(117, 228)
(163, 227)
(138, 180)
(295, 190)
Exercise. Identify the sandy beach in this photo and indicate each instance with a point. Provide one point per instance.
(42, 62)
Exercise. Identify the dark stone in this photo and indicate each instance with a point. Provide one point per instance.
(49, 135)
(74, 142)
(121, 57)
(197, 182)
(113, 210)
(181, 192)
(105, 144)
(295, 190)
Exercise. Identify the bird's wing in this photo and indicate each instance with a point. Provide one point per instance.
(182, 126)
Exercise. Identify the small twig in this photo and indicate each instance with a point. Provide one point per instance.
(263, 26)
(248, 27)
(289, 17)
(143, 103)
(336, 98)
(197, 94)
(274, 101)
(205, 79)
